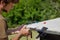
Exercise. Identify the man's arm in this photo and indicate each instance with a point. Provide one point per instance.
(17, 36)
(12, 31)
(23, 32)
(15, 30)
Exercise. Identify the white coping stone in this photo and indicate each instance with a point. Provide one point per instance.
(52, 25)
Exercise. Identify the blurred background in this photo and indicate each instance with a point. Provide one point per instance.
(27, 11)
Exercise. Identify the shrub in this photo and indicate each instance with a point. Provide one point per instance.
(32, 10)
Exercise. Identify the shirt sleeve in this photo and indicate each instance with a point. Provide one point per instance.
(3, 28)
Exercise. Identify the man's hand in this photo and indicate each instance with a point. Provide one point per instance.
(24, 31)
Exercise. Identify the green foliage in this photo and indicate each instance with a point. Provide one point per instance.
(32, 10)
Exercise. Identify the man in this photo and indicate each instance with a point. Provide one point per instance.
(6, 6)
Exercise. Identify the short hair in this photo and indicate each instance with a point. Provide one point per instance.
(8, 1)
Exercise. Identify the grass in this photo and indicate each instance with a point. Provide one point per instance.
(34, 33)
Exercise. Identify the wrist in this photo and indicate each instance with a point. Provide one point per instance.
(19, 35)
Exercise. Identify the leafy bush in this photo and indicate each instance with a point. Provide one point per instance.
(32, 10)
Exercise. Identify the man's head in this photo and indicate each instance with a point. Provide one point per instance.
(7, 4)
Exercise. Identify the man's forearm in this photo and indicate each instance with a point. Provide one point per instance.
(17, 37)
(12, 31)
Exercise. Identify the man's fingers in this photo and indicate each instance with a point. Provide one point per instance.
(30, 34)
(25, 31)
(28, 29)
(24, 27)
